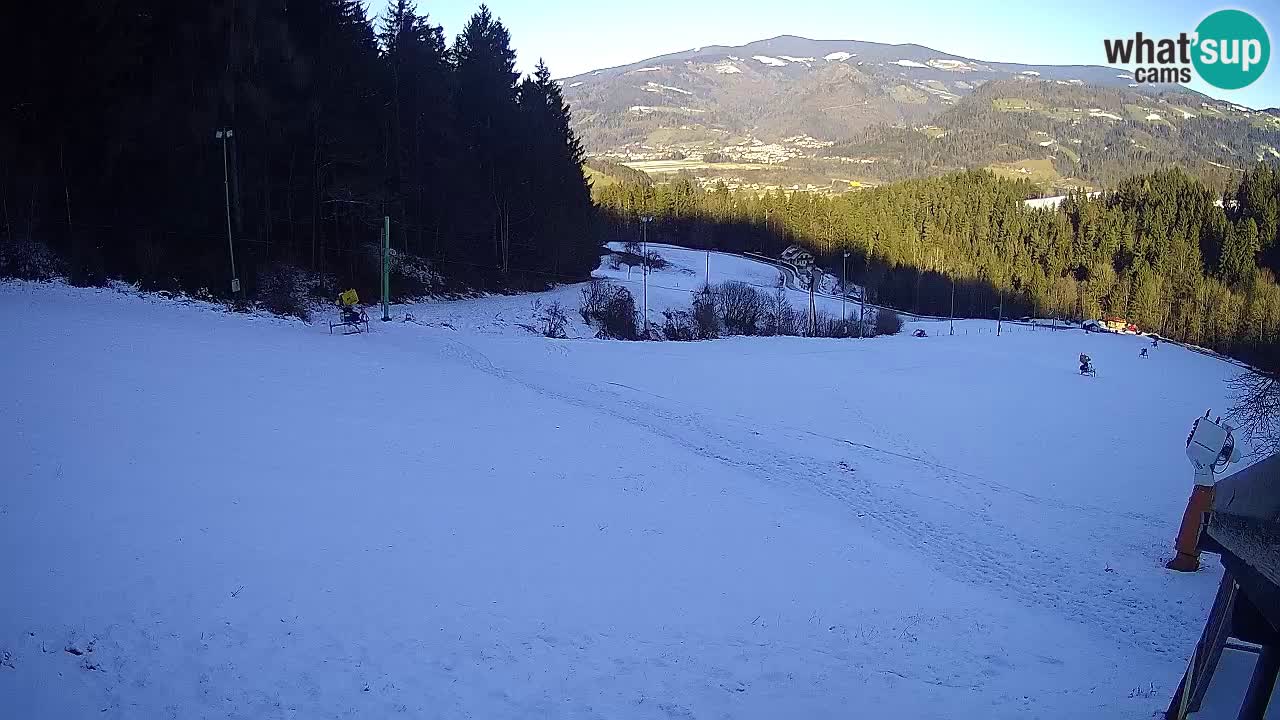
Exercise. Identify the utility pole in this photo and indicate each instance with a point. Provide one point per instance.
(386, 266)
(4, 200)
(644, 251)
(862, 302)
(1000, 317)
(708, 280)
(844, 290)
(224, 135)
(764, 238)
(813, 308)
(953, 305)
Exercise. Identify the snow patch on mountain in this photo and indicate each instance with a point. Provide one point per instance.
(650, 109)
(941, 92)
(802, 60)
(770, 61)
(838, 56)
(952, 65)
(1032, 73)
(658, 87)
(647, 69)
(908, 63)
(726, 67)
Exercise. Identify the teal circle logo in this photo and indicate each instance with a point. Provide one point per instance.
(1232, 50)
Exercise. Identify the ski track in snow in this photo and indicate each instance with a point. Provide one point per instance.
(960, 555)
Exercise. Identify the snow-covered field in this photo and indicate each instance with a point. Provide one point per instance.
(228, 515)
(689, 270)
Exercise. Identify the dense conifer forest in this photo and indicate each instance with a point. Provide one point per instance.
(110, 153)
(1161, 249)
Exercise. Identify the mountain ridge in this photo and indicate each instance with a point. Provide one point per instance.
(876, 51)
(764, 113)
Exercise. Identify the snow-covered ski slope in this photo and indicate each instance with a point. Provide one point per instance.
(240, 516)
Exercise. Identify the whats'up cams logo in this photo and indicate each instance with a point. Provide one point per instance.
(1229, 50)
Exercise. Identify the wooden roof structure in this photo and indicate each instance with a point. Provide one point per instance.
(1243, 527)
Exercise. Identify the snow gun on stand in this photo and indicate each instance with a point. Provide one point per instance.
(1210, 448)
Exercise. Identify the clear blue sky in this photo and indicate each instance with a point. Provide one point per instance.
(575, 36)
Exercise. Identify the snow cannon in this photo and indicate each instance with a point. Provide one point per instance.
(1210, 448)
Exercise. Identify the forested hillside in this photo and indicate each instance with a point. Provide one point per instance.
(830, 115)
(109, 153)
(1158, 250)
(787, 85)
(1096, 135)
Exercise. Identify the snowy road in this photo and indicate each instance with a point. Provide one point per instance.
(232, 516)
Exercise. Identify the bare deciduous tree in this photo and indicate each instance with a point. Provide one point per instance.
(1255, 410)
(740, 307)
(551, 319)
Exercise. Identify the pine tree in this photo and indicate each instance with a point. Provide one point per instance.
(485, 99)
(420, 138)
(1238, 253)
(562, 208)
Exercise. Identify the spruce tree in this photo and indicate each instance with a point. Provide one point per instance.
(420, 140)
(485, 98)
(561, 214)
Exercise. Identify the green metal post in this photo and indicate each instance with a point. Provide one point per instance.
(386, 270)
